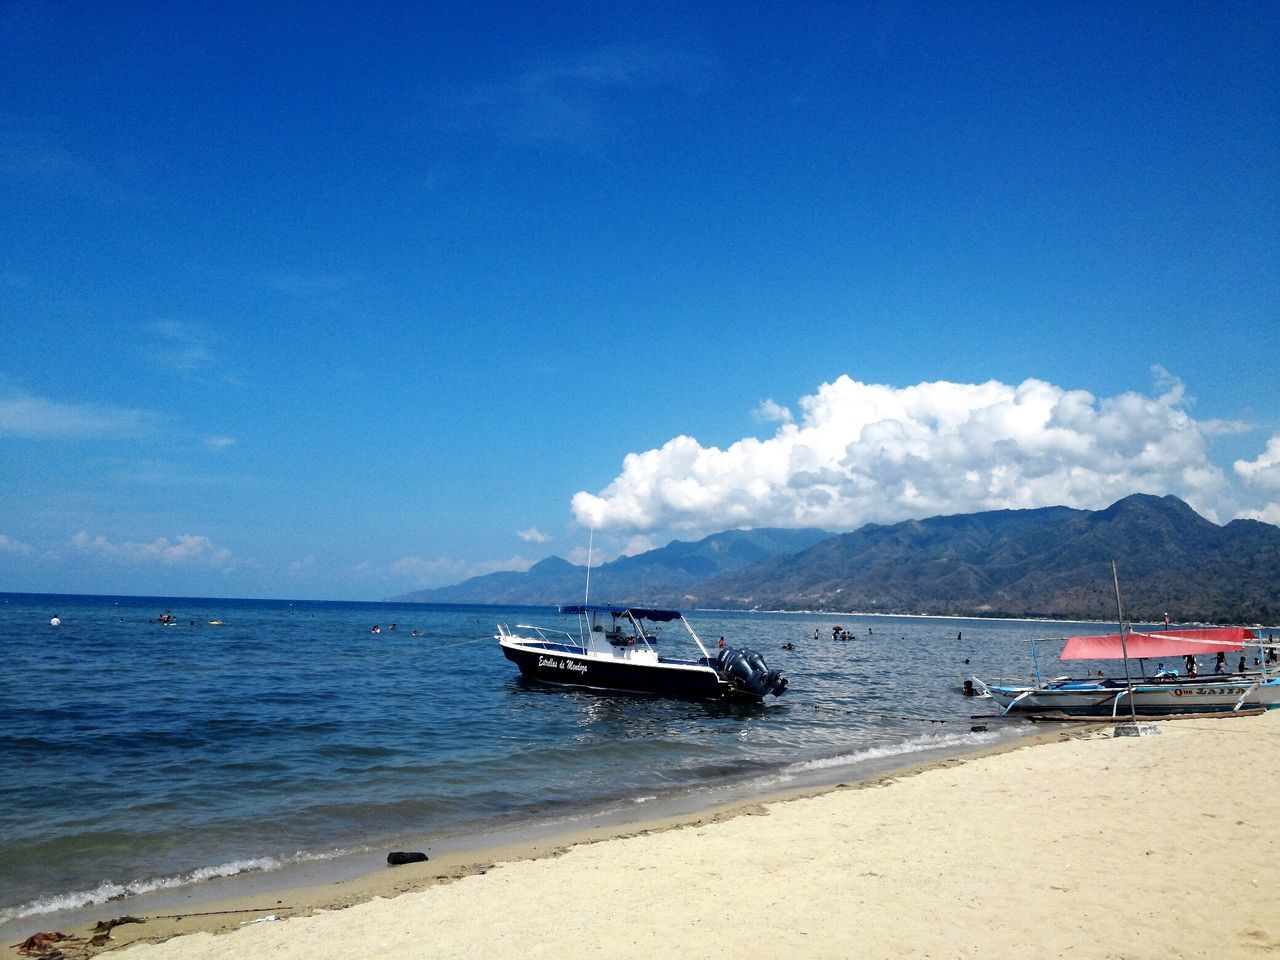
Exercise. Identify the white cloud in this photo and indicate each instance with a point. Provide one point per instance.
(533, 535)
(180, 346)
(435, 571)
(1268, 514)
(770, 412)
(219, 443)
(1263, 472)
(16, 547)
(870, 452)
(32, 417)
(184, 549)
(641, 543)
(582, 101)
(304, 565)
(597, 554)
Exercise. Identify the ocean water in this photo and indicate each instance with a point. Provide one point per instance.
(136, 756)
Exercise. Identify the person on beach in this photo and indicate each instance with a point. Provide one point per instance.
(1240, 668)
(1220, 665)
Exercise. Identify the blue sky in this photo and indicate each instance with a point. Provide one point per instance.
(341, 300)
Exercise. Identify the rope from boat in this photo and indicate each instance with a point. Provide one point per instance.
(460, 643)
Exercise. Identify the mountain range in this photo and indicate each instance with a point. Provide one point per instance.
(1048, 562)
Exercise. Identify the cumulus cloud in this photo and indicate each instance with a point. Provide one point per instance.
(533, 535)
(15, 547)
(184, 549)
(1264, 471)
(33, 417)
(865, 452)
(770, 412)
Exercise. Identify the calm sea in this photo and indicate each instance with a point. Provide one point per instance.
(252, 735)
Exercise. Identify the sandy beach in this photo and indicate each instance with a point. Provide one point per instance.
(1077, 845)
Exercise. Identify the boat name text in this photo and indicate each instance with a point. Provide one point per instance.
(557, 664)
(1208, 692)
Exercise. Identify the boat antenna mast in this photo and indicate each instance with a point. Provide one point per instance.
(586, 596)
(1124, 647)
(584, 621)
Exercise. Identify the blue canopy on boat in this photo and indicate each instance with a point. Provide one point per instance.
(640, 613)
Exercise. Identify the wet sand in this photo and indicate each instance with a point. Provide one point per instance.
(1079, 844)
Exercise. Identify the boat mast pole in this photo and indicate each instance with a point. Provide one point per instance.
(1124, 647)
(586, 594)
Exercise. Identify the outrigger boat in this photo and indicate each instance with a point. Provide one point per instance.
(1166, 694)
(617, 649)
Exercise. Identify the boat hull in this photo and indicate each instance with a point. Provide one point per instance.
(560, 664)
(1107, 699)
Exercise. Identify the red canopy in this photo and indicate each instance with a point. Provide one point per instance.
(1158, 643)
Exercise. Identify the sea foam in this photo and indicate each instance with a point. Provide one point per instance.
(109, 890)
(920, 744)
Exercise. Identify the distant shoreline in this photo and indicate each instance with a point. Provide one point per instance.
(7, 596)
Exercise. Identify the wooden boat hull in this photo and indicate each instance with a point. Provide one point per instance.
(1111, 698)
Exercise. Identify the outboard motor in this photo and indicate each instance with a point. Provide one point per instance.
(746, 670)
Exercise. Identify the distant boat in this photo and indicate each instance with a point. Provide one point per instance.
(617, 649)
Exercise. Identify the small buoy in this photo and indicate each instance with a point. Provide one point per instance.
(398, 857)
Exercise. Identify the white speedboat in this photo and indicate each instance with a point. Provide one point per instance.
(616, 648)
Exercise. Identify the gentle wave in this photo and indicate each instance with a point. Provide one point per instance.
(919, 744)
(108, 890)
